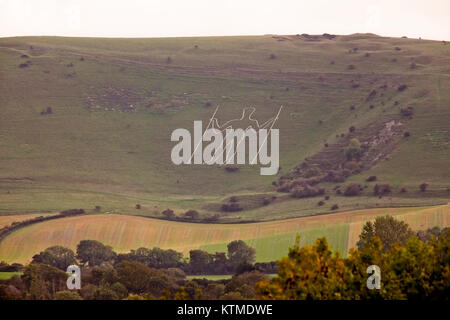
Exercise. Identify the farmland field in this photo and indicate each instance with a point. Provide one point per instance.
(271, 239)
(6, 220)
(8, 275)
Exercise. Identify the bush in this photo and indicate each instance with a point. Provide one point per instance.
(320, 203)
(48, 110)
(327, 197)
(231, 169)
(423, 187)
(67, 295)
(138, 206)
(403, 190)
(381, 189)
(406, 134)
(97, 209)
(207, 104)
(212, 218)
(231, 207)
(272, 56)
(168, 213)
(191, 214)
(407, 112)
(353, 189)
(71, 212)
(334, 207)
(351, 129)
(306, 191)
(268, 200)
(402, 87)
(371, 178)
(412, 65)
(354, 150)
(23, 65)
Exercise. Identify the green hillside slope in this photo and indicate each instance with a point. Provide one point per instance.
(115, 102)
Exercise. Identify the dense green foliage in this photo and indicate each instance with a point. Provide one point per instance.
(415, 270)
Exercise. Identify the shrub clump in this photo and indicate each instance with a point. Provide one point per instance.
(72, 212)
(169, 214)
(191, 214)
(231, 169)
(354, 150)
(334, 207)
(353, 189)
(306, 191)
(267, 200)
(382, 189)
(407, 112)
(231, 207)
(423, 187)
(402, 87)
(371, 178)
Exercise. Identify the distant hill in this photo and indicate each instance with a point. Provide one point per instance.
(86, 122)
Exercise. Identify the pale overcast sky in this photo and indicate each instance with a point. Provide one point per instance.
(429, 19)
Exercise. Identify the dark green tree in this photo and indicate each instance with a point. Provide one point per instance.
(389, 230)
(67, 295)
(240, 253)
(56, 256)
(135, 276)
(94, 253)
(200, 261)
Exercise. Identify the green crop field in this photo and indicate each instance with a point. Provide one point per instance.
(9, 275)
(270, 239)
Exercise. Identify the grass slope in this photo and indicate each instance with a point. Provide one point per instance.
(92, 150)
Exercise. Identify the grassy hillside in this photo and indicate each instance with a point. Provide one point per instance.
(115, 102)
(270, 239)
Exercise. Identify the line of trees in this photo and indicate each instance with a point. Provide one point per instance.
(91, 253)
